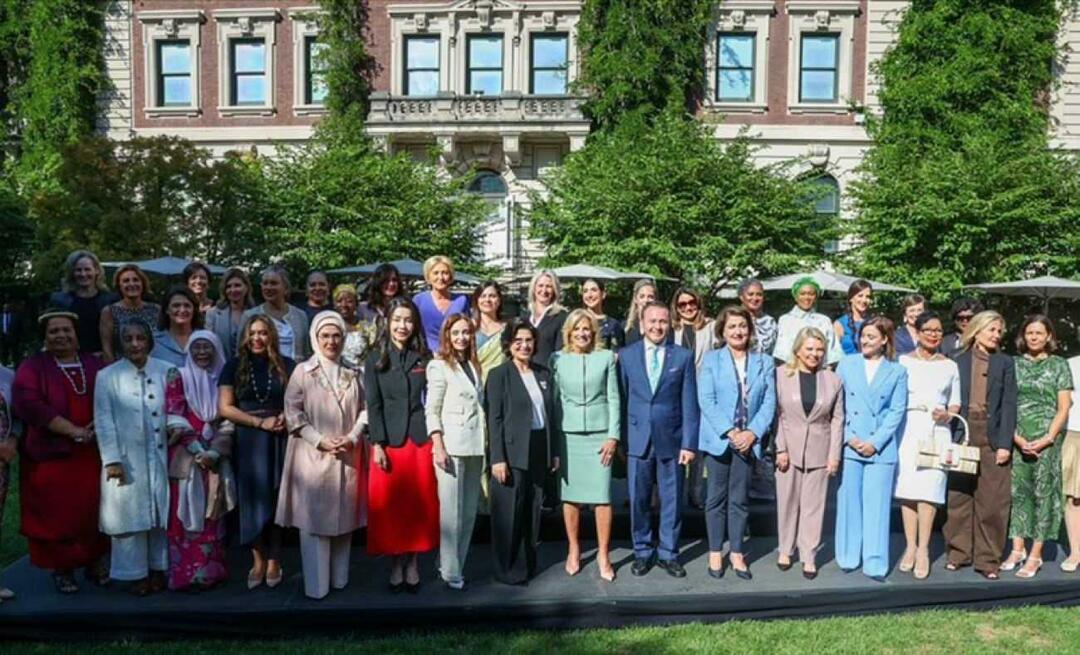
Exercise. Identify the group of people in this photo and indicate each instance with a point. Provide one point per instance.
(154, 434)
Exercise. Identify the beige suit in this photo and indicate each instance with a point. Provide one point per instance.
(810, 442)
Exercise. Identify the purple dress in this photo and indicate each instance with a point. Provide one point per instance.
(432, 319)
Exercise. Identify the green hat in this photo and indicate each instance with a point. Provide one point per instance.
(804, 281)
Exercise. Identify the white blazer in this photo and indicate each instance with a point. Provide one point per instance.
(455, 408)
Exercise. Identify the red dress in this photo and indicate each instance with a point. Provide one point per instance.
(403, 503)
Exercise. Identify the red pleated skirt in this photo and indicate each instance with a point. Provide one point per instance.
(403, 502)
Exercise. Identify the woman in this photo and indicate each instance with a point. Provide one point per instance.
(455, 423)
(60, 470)
(487, 303)
(751, 294)
(933, 394)
(8, 451)
(546, 314)
(316, 294)
(384, 286)
(360, 336)
(129, 419)
(201, 484)
(963, 310)
(134, 288)
(593, 295)
(690, 328)
(437, 302)
(587, 400)
(83, 293)
(1070, 474)
(520, 406)
(875, 401)
(324, 409)
(908, 335)
(809, 436)
(227, 317)
(978, 505)
(179, 319)
(644, 293)
(1044, 396)
(403, 501)
(251, 394)
(290, 323)
(806, 292)
(196, 277)
(860, 295)
(737, 396)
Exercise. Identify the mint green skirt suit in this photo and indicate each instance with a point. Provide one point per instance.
(587, 400)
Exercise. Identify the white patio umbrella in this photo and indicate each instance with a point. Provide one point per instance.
(167, 266)
(1044, 288)
(828, 281)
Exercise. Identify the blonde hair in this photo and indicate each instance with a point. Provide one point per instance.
(435, 260)
(804, 335)
(68, 283)
(575, 317)
(556, 304)
(979, 322)
(633, 316)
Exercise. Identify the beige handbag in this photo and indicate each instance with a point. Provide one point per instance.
(949, 457)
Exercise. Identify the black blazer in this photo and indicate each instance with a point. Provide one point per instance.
(549, 337)
(1000, 398)
(395, 399)
(509, 415)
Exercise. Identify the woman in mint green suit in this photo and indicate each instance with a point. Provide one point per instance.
(588, 411)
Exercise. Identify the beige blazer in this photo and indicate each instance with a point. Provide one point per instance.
(810, 441)
(455, 408)
(704, 341)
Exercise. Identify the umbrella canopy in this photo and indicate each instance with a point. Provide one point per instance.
(409, 268)
(828, 281)
(167, 266)
(590, 272)
(1044, 288)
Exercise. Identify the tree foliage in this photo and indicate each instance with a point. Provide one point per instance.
(670, 200)
(961, 185)
(17, 242)
(350, 67)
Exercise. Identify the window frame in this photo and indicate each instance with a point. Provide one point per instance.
(406, 69)
(753, 36)
(310, 71)
(533, 68)
(470, 69)
(234, 76)
(834, 37)
(161, 76)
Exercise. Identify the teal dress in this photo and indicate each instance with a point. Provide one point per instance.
(587, 395)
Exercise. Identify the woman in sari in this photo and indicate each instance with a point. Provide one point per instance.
(487, 304)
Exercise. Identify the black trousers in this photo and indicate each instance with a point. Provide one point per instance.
(515, 518)
(727, 506)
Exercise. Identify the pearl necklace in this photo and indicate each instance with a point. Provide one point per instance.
(72, 379)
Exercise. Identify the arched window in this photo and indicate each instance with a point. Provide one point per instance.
(828, 203)
(496, 242)
(488, 184)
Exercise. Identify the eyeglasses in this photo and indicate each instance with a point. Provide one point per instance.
(683, 304)
(964, 318)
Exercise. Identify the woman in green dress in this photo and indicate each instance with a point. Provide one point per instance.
(1044, 384)
(587, 401)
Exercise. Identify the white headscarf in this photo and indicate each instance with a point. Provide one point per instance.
(324, 318)
(201, 384)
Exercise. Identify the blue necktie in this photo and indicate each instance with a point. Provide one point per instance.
(654, 368)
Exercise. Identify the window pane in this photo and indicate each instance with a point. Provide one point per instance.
(549, 51)
(488, 183)
(422, 53)
(249, 57)
(736, 51)
(549, 83)
(829, 203)
(819, 51)
(317, 55)
(486, 82)
(175, 58)
(818, 85)
(736, 85)
(318, 89)
(176, 91)
(423, 83)
(251, 90)
(485, 52)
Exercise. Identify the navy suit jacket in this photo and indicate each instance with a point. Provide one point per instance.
(664, 422)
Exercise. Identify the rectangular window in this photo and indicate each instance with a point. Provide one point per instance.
(174, 74)
(547, 75)
(421, 66)
(248, 73)
(485, 75)
(315, 61)
(735, 67)
(819, 68)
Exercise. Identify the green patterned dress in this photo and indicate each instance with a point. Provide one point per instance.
(1036, 482)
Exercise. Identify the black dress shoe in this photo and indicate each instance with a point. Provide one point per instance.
(412, 587)
(783, 567)
(716, 573)
(641, 566)
(397, 588)
(743, 574)
(673, 568)
(809, 575)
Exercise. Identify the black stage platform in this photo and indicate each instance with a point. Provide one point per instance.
(553, 600)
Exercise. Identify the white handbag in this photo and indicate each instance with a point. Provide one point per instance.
(949, 457)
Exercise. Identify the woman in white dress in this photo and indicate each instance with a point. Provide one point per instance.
(933, 392)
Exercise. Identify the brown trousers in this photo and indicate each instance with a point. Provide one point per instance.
(800, 509)
(977, 519)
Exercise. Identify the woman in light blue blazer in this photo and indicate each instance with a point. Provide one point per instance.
(875, 401)
(737, 396)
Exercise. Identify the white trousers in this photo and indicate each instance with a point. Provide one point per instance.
(459, 500)
(325, 561)
(135, 554)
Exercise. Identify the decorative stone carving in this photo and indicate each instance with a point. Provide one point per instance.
(421, 21)
(511, 145)
(817, 154)
(170, 27)
(245, 25)
(548, 18)
(738, 19)
(822, 19)
(483, 14)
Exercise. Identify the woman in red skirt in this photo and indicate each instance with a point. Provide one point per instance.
(403, 501)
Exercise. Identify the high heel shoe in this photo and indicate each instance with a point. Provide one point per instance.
(1027, 573)
(1010, 563)
(254, 580)
(906, 565)
(273, 581)
(922, 567)
(1070, 565)
(608, 574)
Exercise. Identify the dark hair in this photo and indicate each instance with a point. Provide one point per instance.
(887, 329)
(194, 267)
(474, 302)
(417, 343)
(728, 312)
(53, 313)
(244, 354)
(965, 304)
(1031, 319)
(196, 315)
(600, 285)
(925, 318)
(676, 320)
(510, 333)
(857, 287)
(133, 322)
(374, 295)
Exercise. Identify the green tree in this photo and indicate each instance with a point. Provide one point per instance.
(17, 244)
(350, 67)
(670, 200)
(961, 185)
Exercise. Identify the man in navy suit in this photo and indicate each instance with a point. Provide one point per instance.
(660, 435)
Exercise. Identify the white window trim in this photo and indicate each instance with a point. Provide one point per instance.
(418, 25)
(819, 17)
(304, 25)
(741, 17)
(245, 24)
(170, 26)
(510, 44)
